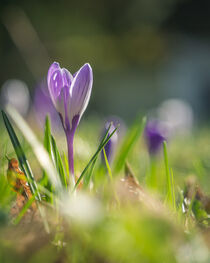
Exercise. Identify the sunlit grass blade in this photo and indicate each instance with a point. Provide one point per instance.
(90, 170)
(189, 210)
(26, 207)
(47, 136)
(107, 165)
(58, 162)
(106, 134)
(87, 177)
(129, 142)
(23, 211)
(151, 179)
(173, 189)
(93, 159)
(66, 166)
(51, 147)
(6, 195)
(39, 151)
(111, 177)
(180, 204)
(48, 146)
(24, 164)
(168, 176)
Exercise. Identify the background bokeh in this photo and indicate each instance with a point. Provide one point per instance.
(142, 51)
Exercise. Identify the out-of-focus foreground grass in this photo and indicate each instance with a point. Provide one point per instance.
(108, 223)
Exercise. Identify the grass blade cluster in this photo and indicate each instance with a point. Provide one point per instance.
(129, 142)
(58, 163)
(24, 164)
(92, 161)
(169, 178)
(39, 151)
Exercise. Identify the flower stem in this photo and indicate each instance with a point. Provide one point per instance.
(70, 139)
(70, 131)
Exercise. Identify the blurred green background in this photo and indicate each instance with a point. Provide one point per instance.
(142, 51)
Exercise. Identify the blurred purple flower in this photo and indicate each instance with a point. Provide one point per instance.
(111, 144)
(154, 135)
(43, 105)
(70, 95)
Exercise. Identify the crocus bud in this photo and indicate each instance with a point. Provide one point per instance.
(154, 135)
(70, 94)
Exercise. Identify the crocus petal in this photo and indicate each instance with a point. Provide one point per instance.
(56, 85)
(80, 91)
(54, 81)
(59, 81)
(67, 77)
(55, 66)
(60, 103)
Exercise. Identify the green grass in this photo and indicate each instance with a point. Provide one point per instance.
(103, 222)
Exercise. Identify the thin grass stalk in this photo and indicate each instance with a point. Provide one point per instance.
(168, 177)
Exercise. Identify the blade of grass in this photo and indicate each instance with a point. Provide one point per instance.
(173, 189)
(111, 177)
(107, 165)
(24, 164)
(94, 157)
(6, 195)
(66, 165)
(180, 205)
(51, 147)
(189, 211)
(129, 142)
(39, 151)
(89, 171)
(87, 177)
(48, 146)
(47, 136)
(168, 177)
(58, 163)
(26, 207)
(23, 211)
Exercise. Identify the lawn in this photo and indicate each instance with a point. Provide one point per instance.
(137, 207)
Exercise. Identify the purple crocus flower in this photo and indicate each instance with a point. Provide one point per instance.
(70, 95)
(154, 135)
(111, 144)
